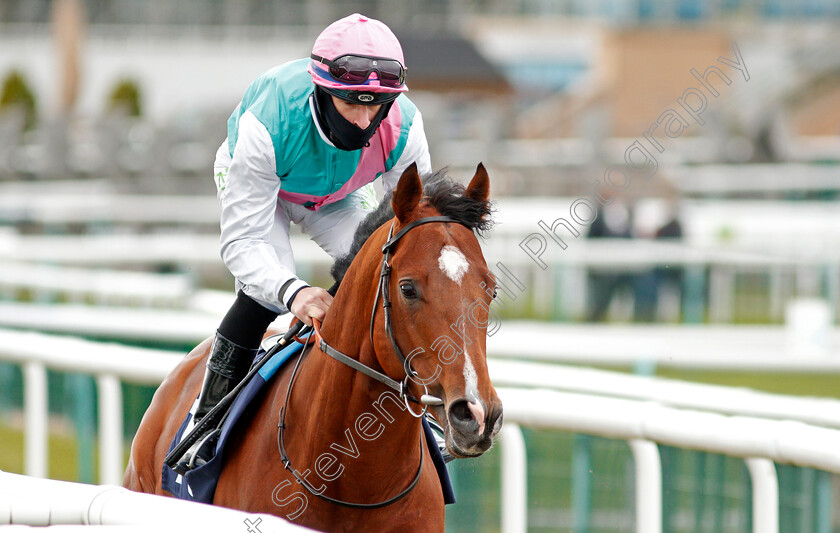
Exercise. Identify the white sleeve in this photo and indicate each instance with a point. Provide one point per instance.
(248, 202)
(416, 150)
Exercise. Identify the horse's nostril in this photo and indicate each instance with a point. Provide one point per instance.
(461, 416)
(496, 421)
(460, 410)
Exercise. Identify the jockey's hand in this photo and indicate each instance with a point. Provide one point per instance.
(311, 302)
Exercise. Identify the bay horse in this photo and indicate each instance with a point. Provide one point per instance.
(347, 436)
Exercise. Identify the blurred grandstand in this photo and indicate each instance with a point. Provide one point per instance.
(542, 91)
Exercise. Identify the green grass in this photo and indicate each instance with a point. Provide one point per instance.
(62, 454)
(63, 451)
(788, 383)
(795, 384)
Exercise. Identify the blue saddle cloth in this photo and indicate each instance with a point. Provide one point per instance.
(199, 484)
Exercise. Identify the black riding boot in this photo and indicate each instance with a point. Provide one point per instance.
(227, 365)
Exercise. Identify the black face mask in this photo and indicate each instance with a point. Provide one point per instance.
(341, 132)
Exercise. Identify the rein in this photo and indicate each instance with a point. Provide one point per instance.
(401, 387)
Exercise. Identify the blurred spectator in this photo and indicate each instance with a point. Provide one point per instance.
(653, 222)
(666, 276)
(614, 221)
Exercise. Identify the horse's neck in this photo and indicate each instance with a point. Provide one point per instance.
(337, 410)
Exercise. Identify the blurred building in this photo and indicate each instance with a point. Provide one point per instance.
(546, 92)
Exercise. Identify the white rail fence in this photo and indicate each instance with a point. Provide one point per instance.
(712, 347)
(28, 262)
(40, 502)
(118, 249)
(78, 285)
(109, 363)
(761, 428)
(736, 401)
(644, 424)
(26, 259)
(188, 325)
(759, 225)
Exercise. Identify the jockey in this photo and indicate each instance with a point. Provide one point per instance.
(304, 146)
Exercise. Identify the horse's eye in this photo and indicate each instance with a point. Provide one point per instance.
(495, 292)
(407, 289)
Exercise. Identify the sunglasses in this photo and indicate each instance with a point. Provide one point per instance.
(356, 69)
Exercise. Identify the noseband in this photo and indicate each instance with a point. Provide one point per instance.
(401, 387)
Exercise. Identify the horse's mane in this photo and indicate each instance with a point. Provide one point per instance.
(442, 193)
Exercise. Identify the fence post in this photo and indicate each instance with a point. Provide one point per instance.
(648, 486)
(35, 409)
(110, 430)
(765, 489)
(514, 480)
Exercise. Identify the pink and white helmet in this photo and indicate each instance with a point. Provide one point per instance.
(365, 38)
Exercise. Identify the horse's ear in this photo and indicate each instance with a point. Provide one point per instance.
(407, 194)
(479, 187)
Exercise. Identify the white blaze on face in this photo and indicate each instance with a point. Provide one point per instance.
(453, 263)
(471, 392)
(470, 378)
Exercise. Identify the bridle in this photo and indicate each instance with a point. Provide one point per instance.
(383, 290)
(400, 387)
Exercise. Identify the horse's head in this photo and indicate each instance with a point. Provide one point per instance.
(440, 291)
